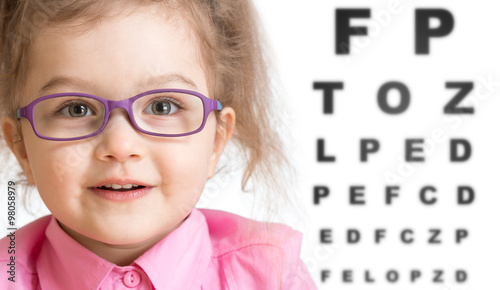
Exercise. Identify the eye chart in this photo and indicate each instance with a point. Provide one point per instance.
(395, 110)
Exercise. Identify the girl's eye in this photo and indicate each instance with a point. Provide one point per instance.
(76, 110)
(161, 107)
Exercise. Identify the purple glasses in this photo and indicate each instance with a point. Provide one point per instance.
(74, 116)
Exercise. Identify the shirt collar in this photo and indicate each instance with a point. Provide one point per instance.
(178, 261)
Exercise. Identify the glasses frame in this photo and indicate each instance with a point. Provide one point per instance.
(209, 105)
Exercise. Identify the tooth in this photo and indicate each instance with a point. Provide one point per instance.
(117, 186)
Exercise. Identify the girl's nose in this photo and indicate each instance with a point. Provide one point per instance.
(120, 141)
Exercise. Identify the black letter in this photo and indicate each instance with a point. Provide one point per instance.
(382, 98)
(451, 107)
(392, 276)
(422, 195)
(353, 236)
(368, 278)
(403, 237)
(379, 233)
(437, 277)
(320, 192)
(454, 150)
(325, 274)
(325, 236)
(460, 235)
(347, 276)
(423, 30)
(354, 193)
(433, 239)
(461, 198)
(343, 30)
(461, 276)
(410, 149)
(389, 193)
(328, 89)
(321, 152)
(365, 149)
(415, 274)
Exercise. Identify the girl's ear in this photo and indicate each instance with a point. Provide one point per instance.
(224, 131)
(14, 139)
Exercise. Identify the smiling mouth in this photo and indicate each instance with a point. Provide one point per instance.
(117, 187)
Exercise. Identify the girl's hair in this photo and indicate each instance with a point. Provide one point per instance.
(232, 55)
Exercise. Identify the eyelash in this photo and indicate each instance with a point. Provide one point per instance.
(168, 99)
(59, 108)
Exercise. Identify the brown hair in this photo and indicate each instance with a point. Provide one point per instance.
(232, 51)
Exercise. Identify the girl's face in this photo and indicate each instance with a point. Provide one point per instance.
(118, 58)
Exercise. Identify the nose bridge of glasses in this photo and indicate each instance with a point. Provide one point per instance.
(124, 104)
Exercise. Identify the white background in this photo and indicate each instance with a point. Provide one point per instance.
(302, 36)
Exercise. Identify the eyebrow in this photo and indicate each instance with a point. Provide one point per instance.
(60, 81)
(154, 82)
(157, 82)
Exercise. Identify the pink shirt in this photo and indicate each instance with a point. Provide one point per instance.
(210, 250)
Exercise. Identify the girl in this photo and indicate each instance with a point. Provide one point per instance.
(118, 112)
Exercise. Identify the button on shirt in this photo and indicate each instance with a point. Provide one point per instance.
(211, 249)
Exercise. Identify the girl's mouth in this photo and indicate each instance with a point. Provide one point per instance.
(117, 187)
(121, 193)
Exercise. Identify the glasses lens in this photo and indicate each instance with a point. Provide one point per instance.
(169, 113)
(68, 116)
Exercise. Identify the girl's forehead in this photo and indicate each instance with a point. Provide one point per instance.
(113, 14)
(122, 50)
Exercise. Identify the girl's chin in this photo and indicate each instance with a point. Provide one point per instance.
(123, 236)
